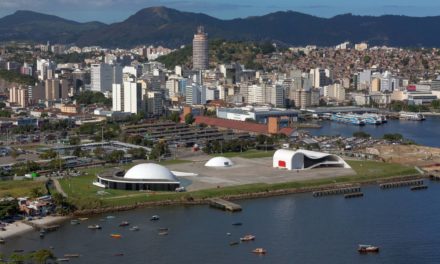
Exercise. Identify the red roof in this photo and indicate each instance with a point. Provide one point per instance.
(238, 125)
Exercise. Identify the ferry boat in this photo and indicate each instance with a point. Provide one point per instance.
(348, 118)
(411, 116)
(247, 238)
(373, 119)
(261, 251)
(368, 249)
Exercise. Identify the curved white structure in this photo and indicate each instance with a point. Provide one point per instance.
(141, 177)
(304, 159)
(150, 171)
(219, 162)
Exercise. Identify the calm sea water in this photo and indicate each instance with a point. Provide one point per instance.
(424, 133)
(293, 229)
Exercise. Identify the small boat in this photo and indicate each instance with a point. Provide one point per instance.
(18, 250)
(71, 255)
(2, 241)
(228, 234)
(94, 227)
(125, 223)
(42, 234)
(74, 222)
(164, 229)
(154, 218)
(134, 228)
(260, 251)
(234, 243)
(110, 217)
(368, 249)
(247, 238)
(63, 259)
(118, 254)
(115, 235)
(237, 224)
(83, 219)
(163, 233)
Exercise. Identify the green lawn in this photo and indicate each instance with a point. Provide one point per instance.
(85, 195)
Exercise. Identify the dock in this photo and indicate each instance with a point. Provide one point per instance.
(224, 205)
(419, 187)
(353, 195)
(434, 177)
(337, 191)
(400, 184)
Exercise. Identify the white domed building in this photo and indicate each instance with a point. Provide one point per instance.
(219, 162)
(145, 176)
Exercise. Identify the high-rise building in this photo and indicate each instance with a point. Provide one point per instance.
(56, 89)
(195, 94)
(256, 94)
(19, 96)
(132, 96)
(154, 103)
(117, 97)
(200, 50)
(103, 75)
(278, 98)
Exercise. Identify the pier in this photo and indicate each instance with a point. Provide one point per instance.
(434, 177)
(224, 205)
(337, 191)
(354, 195)
(400, 184)
(419, 187)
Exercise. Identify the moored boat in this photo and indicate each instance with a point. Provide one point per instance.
(247, 238)
(71, 255)
(74, 222)
(411, 116)
(94, 227)
(154, 218)
(63, 259)
(2, 241)
(134, 228)
(261, 251)
(368, 249)
(125, 223)
(234, 243)
(237, 223)
(115, 235)
(163, 233)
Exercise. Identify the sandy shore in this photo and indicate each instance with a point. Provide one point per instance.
(21, 227)
(15, 229)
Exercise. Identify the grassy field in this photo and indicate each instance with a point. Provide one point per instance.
(82, 193)
(20, 188)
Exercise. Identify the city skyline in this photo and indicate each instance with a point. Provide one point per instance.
(109, 11)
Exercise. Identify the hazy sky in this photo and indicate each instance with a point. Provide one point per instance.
(117, 10)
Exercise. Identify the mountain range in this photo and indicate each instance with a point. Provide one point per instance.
(172, 28)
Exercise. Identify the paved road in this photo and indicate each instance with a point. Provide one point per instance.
(59, 188)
